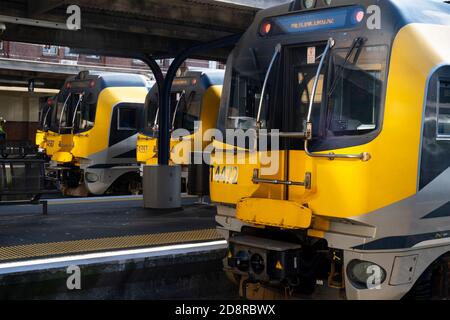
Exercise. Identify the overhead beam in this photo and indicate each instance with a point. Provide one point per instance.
(187, 12)
(38, 7)
(105, 40)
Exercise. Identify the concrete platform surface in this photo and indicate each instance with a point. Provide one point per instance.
(76, 226)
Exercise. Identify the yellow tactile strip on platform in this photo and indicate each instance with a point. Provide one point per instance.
(103, 244)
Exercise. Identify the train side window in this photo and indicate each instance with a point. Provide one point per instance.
(443, 109)
(127, 119)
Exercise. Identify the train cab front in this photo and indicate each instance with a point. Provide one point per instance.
(194, 103)
(45, 116)
(72, 122)
(317, 146)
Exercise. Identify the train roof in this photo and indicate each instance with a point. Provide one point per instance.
(403, 12)
(208, 77)
(113, 79)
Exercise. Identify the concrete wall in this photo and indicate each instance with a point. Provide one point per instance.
(21, 111)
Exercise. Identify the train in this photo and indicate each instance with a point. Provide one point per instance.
(195, 99)
(93, 132)
(354, 99)
(44, 124)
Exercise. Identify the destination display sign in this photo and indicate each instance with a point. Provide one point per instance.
(340, 18)
(184, 81)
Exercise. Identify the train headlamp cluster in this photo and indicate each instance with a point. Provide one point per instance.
(91, 177)
(246, 261)
(257, 263)
(242, 261)
(364, 274)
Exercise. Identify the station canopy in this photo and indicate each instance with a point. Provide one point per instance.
(161, 28)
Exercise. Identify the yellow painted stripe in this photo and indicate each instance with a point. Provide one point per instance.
(101, 244)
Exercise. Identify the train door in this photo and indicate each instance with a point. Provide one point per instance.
(300, 69)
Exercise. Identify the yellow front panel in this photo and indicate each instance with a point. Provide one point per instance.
(64, 153)
(145, 150)
(290, 214)
(52, 143)
(40, 139)
(232, 181)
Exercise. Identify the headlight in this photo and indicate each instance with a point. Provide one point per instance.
(242, 261)
(91, 177)
(365, 274)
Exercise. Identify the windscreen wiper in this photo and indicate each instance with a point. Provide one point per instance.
(62, 112)
(80, 100)
(357, 45)
(182, 96)
(266, 79)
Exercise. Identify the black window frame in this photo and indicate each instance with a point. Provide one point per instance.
(438, 102)
(127, 107)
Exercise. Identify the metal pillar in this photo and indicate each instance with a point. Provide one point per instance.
(161, 183)
(164, 98)
(156, 70)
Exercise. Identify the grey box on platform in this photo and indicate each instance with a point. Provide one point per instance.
(162, 187)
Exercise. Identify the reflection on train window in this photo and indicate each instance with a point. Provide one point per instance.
(65, 109)
(45, 111)
(306, 76)
(152, 111)
(443, 109)
(85, 117)
(127, 119)
(245, 95)
(356, 90)
(187, 113)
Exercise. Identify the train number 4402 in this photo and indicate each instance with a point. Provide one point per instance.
(226, 174)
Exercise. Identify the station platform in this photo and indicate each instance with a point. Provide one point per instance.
(114, 239)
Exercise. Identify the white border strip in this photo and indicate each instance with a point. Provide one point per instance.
(111, 256)
(184, 198)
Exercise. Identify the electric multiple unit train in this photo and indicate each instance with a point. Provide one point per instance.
(359, 204)
(93, 132)
(45, 117)
(195, 99)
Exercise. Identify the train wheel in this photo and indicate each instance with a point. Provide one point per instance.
(434, 283)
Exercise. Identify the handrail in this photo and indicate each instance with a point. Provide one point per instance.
(266, 79)
(307, 183)
(182, 96)
(80, 100)
(330, 44)
(62, 112)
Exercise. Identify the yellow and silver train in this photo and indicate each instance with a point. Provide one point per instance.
(358, 207)
(195, 99)
(92, 139)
